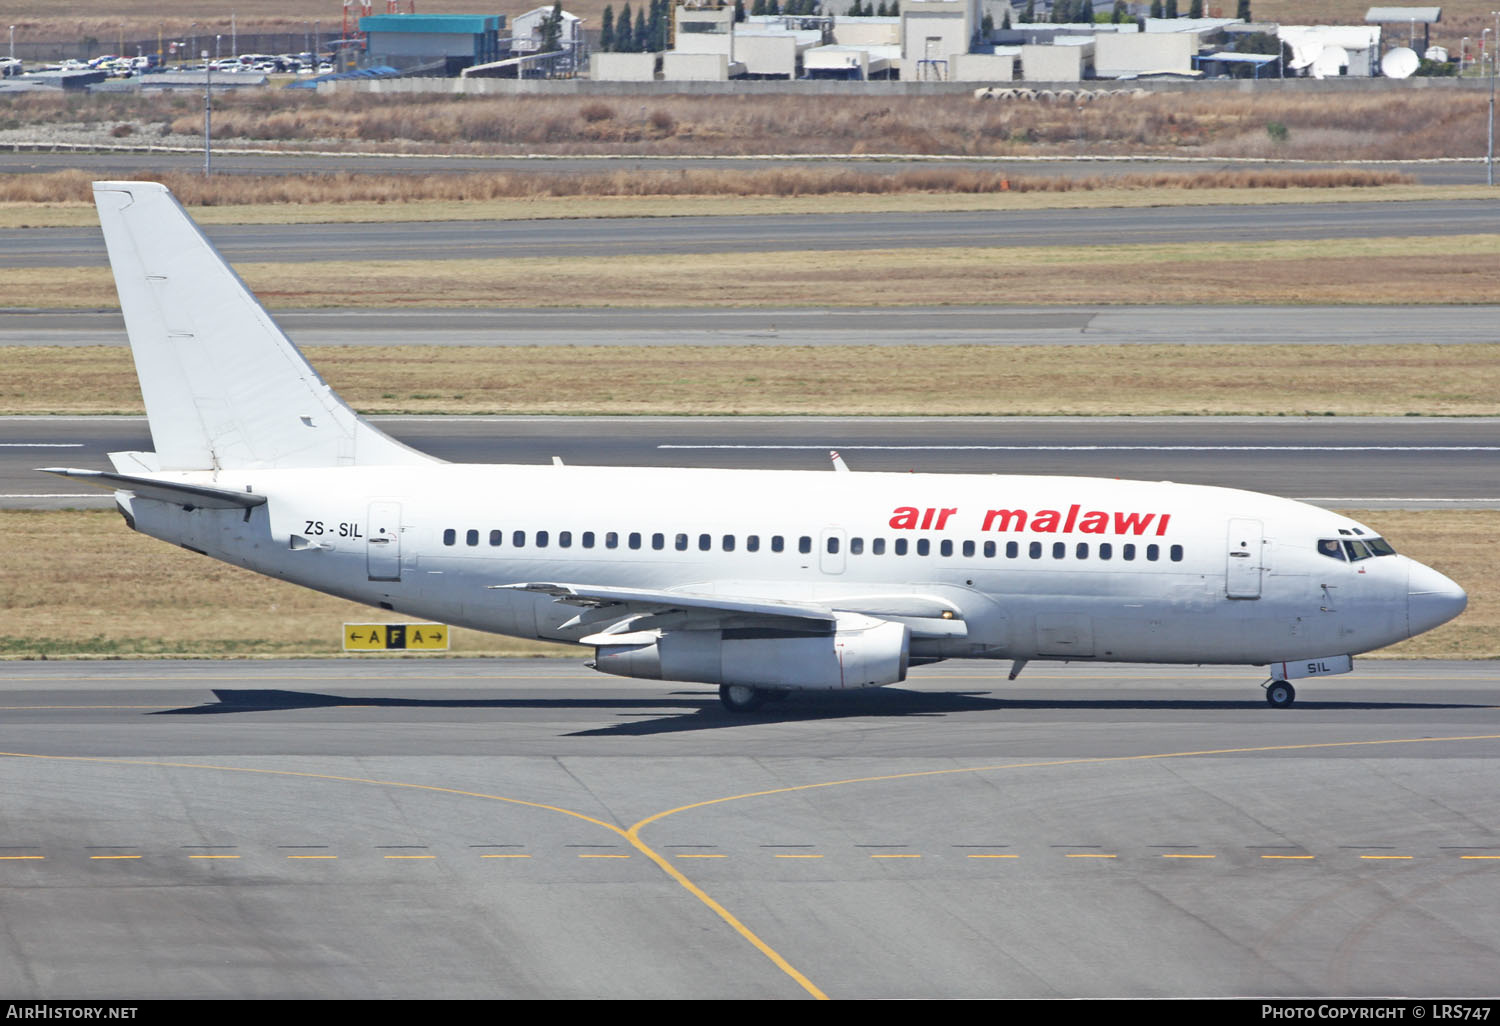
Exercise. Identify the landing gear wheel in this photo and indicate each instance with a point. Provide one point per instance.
(1280, 694)
(741, 698)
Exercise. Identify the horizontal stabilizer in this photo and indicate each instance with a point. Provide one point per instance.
(182, 494)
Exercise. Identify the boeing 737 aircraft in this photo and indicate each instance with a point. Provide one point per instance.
(762, 582)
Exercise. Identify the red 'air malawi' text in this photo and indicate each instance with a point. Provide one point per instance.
(1042, 521)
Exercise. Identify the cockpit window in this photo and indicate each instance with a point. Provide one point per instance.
(1357, 550)
(1330, 547)
(1380, 546)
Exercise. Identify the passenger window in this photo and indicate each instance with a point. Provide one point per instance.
(1012, 550)
(1106, 550)
(565, 539)
(752, 543)
(588, 539)
(518, 539)
(833, 544)
(900, 546)
(1034, 550)
(1127, 552)
(968, 549)
(705, 542)
(1152, 552)
(1082, 551)
(778, 543)
(450, 536)
(877, 546)
(1176, 552)
(611, 540)
(541, 539)
(856, 546)
(634, 541)
(728, 543)
(495, 537)
(945, 547)
(680, 542)
(924, 546)
(658, 541)
(1059, 550)
(804, 544)
(471, 537)
(989, 550)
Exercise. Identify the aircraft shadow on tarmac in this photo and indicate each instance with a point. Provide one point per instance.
(701, 711)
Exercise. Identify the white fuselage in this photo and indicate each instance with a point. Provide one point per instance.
(1034, 567)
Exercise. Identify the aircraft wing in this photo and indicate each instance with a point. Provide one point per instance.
(618, 610)
(644, 608)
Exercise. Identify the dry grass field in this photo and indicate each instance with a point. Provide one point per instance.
(1319, 126)
(799, 180)
(831, 380)
(1441, 269)
(77, 583)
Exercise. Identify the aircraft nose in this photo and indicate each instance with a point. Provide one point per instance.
(1431, 599)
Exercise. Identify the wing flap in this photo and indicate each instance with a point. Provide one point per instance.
(644, 602)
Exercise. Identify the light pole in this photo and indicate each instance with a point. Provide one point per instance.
(1489, 153)
(208, 115)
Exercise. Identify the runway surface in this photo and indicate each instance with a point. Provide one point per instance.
(1343, 462)
(106, 164)
(771, 326)
(627, 236)
(515, 829)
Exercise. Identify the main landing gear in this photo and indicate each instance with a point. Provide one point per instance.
(742, 698)
(1280, 694)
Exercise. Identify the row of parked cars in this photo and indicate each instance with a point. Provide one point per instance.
(125, 67)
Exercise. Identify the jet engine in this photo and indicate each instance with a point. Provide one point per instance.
(861, 652)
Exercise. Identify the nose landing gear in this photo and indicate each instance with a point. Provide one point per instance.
(1280, 694)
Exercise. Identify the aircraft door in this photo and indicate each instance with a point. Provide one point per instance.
(831, 548)
(1246, 552)
(383, 541)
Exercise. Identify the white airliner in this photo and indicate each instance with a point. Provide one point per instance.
(762, 582)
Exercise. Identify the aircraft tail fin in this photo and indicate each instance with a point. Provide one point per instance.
(224, 387)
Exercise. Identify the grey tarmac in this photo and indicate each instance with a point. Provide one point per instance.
(629, 236)
(463, 828)
(827, 326)
(1340, 462)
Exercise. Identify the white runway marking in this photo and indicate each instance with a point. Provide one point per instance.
(1106, 448)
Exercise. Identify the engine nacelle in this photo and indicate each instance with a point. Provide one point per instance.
(862, 652)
